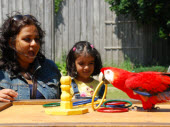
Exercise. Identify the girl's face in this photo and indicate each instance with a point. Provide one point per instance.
(84, 67)
(27, 45)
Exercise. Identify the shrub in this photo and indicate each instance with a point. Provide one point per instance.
(62, 64)
(57, 5)
(152, 12)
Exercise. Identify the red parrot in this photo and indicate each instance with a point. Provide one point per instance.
(148, 87)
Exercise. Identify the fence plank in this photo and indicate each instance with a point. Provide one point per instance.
(4, 9)
(27, 7)
(102, 28)
(115, 41)
(59, 33)
(65, 26)
(96, 24)
(71, 26)
(108, 41)
(48, 14)
(90, 23)
(40, 12)
(77, 20)
(83, 20)
(19, 7)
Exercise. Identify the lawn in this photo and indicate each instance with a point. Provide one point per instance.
(114, 93)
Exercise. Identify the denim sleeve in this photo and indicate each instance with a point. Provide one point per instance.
(49, 75)
(2, 77)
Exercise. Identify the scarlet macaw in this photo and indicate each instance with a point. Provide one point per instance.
(148, 87)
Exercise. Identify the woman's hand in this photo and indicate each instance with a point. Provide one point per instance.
(7, 95)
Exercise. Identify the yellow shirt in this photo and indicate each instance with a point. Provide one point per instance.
(85, 89)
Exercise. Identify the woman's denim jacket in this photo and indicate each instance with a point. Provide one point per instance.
(48, 81)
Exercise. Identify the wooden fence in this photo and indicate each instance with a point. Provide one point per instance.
(115, 37)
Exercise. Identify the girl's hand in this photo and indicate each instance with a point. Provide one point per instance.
(7, 95)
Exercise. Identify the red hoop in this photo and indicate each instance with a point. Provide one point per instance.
(112, 110)
(115, 103)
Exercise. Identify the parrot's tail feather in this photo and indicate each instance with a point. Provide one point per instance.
(164, 96)
(153, 100)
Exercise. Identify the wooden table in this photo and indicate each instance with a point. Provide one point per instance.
(32, 113)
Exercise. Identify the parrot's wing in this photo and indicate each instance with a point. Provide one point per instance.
(143, 93)
(148, 83)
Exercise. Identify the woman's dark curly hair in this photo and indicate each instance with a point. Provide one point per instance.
(82, 48)
(8, 32)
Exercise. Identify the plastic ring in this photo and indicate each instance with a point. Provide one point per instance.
(112, 106)
(112, 110)
(95, 92)
(130, 103)
(51, 105)
(74, 103)
(115, 103)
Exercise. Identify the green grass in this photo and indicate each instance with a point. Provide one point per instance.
(151, 68)
(129, 66)
(114, 93)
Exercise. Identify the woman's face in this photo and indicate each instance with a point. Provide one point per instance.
(27, 45)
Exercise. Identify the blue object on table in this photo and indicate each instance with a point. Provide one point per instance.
(74, 103)
(83, 102)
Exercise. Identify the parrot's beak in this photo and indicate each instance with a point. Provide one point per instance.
(102, 78)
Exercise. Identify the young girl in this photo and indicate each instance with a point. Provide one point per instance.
(83, 62)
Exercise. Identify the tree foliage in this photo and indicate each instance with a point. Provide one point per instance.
(155, 12)
(57, 5)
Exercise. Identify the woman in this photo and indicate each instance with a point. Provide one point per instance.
(25, 73)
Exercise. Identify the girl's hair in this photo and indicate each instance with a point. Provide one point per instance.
(82, 48)
(8, 32)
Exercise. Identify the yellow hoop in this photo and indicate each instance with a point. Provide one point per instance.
(95, 92)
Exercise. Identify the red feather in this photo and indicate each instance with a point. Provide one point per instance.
(155, 84)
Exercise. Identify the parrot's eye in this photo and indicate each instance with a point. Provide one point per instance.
(108, 72)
